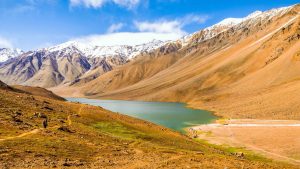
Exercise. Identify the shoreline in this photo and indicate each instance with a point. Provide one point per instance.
(183, 123)
(226, 124)
(265, 137)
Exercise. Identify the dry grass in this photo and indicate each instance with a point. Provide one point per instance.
(87, 136)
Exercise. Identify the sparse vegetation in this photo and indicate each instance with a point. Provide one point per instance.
(86, 136)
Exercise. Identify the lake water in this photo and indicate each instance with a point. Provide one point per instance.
(172, 115)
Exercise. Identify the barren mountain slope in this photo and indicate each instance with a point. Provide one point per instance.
(7, 53)
(38, 91)
(68, 63)
(259, 55)
(52, 68)
(4, 86)
(143, 67)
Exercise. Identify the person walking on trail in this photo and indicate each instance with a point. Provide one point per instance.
(45, 123)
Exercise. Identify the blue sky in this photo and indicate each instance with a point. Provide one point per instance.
(31, 24)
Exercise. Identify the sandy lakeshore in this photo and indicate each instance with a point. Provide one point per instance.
(277, 139)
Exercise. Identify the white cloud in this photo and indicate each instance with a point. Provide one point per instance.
(115, 27)
(127, 3)
(170, 26)
(4, 43)
(88, 3)
(126, 38)
(147, 31)
(99, 3)
(160, 26)
(191, 18)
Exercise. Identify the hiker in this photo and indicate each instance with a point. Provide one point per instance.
(45, 123)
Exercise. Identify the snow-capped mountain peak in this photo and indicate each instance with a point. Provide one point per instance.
(228, 23)
(128, 52)
(254, 14)
(8, 53)
(92, 51)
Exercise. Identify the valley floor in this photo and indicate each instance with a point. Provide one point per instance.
(255, 128)
(83, 136)
(277, 139)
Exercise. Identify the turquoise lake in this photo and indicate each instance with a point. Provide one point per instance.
(172, 115)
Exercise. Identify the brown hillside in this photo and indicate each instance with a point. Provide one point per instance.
(3, 85)
(82, 136)
(38, 91)
(129, 74)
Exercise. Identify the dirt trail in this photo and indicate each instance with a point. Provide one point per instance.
(21, 135)
(38, 130)
(69, 120)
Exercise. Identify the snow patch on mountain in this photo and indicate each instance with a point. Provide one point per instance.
(128, 52)
(90, 51)
(228, 23)
(7, 53)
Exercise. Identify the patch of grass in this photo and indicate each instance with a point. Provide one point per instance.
(294, 155)
(222, 121)
(209, 133)
(250, 155)
(118, 130)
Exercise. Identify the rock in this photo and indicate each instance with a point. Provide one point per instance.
(61, 121)
(18, 120)
(200, 152)
(66, 164)
(76, 115)
(2, 151)
(28, 151)
(48, 108)
(65, 129)
(18, 113)
(41, 115)
(69, 163)
(239, 155)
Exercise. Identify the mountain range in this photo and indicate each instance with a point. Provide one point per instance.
(66, 63)
(8, 53)
(93, 60)
(239, 67)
